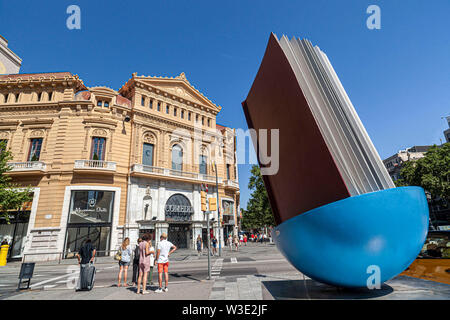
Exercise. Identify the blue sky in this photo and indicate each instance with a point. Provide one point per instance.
(398, 78)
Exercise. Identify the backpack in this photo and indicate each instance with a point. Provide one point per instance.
(136, 253)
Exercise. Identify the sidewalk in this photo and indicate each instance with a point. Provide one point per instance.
(183, 290)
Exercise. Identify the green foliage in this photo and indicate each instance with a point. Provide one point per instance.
(11, 198)
(431, 172)
(95, 156)
(258, 213)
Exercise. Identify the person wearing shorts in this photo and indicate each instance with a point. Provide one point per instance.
(214, 245)
(124, 261)
(164, 250)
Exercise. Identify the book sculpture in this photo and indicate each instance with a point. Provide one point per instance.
(340, 219)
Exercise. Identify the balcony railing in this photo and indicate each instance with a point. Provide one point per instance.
(141, 168)
(27, 166)
(231, 183)
(95, 165)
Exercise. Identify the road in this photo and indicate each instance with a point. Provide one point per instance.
(185, 266)
(256, 272)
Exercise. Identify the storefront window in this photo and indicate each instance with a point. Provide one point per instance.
(15, 231)
(228, 207)
(90, 216)
(91, 207)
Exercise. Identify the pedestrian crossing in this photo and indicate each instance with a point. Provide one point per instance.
(216, 268)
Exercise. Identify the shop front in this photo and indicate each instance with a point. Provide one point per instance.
(228, 218)
(14, 231)
(90, 216)
(178, 212)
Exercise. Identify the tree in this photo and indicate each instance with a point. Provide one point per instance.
(258, 213)
(431, 172)
(12, 196)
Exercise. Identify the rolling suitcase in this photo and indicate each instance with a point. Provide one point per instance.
(87, 277)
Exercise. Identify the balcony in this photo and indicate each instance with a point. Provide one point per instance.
(144, 170)
(94, 166)
(231, 184)
(27, 167)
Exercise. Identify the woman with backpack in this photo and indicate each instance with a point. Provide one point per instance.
(136, 262)
(124, 262)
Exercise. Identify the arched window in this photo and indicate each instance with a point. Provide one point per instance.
(177, 157)
(178, 208)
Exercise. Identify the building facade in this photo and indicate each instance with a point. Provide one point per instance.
(447, 131)
(394, 163)
(109, 164)
(9, 61)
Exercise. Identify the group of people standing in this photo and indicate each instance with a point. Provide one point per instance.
(144, 259)
(199, 245)
(259, 237)
(235, 241)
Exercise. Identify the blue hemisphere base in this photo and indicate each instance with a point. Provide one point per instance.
(344, 242)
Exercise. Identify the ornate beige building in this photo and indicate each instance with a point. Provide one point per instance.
(105, 164)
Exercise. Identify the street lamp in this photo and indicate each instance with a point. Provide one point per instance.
(218, 206)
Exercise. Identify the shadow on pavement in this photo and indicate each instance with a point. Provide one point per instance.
(309, 289)
(183, 275)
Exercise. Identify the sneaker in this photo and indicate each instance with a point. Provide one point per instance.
(159, 290)
(166, 289)
(145, 292)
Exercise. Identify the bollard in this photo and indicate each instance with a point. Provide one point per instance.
(3, 254)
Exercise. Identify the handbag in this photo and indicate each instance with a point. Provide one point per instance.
(118, 255)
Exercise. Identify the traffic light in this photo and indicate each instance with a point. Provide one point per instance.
(212, 204)
(203, 200)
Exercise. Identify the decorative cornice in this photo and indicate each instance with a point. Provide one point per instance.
(89, 120)
(37, 121)
(9, 123)
(32, 79)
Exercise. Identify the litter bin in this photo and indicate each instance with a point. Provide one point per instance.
(3, 254)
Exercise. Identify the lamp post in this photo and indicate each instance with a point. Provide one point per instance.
(204, 197)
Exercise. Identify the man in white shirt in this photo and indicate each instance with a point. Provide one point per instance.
(164, 250)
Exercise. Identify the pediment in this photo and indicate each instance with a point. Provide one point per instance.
(180, 88)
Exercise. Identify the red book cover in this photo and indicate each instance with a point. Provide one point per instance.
(308, 176)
